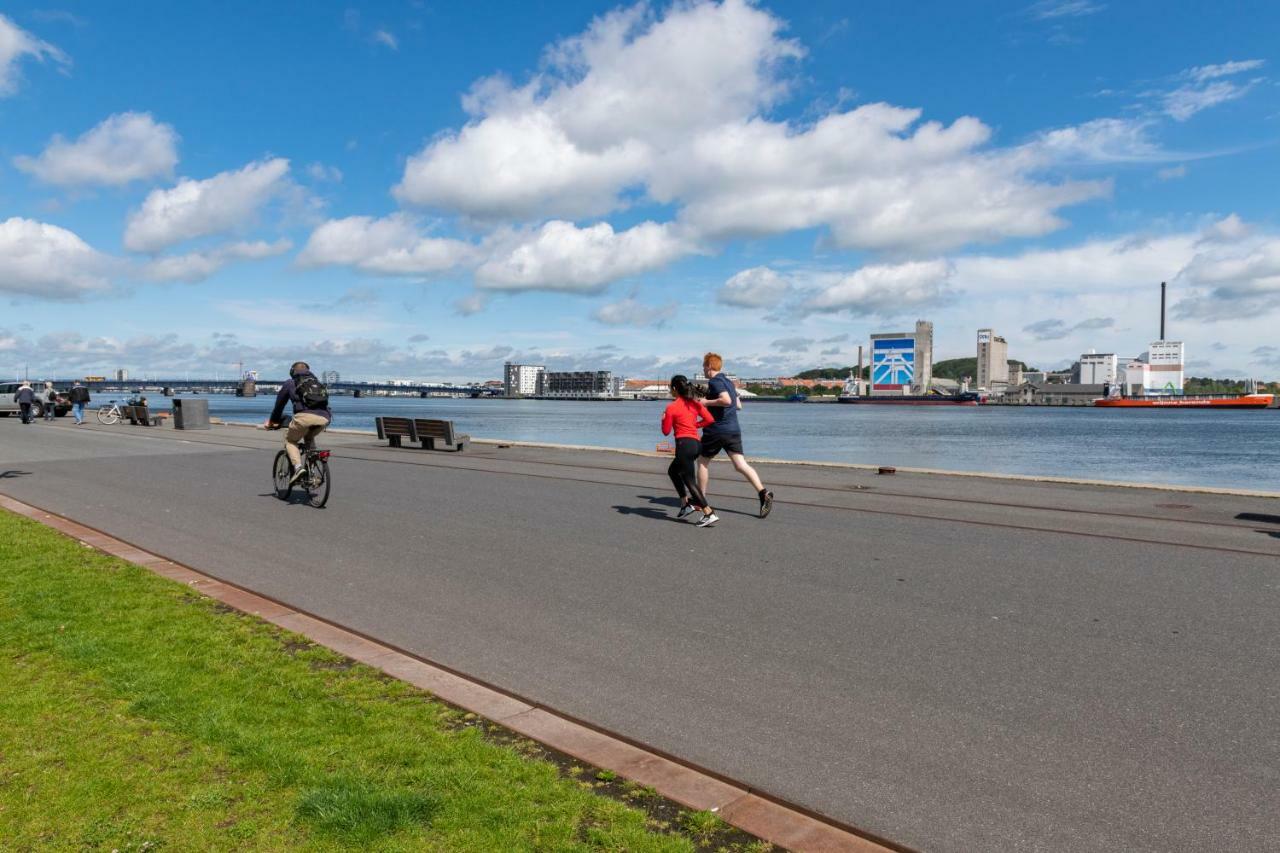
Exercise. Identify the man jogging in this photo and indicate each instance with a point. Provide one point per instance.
(311, 413)
(725, 434)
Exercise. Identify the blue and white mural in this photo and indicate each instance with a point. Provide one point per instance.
(893, 363)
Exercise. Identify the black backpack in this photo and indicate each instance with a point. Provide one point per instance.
(311, 392)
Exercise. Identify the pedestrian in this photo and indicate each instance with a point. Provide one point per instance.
(79, 397)
(725, 434)
(24, 398)
(683, 417)
(50, 401)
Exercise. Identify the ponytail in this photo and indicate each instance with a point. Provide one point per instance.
(681, 385)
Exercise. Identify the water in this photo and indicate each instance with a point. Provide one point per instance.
(1196, 448)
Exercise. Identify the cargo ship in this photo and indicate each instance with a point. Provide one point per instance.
(1191, 401)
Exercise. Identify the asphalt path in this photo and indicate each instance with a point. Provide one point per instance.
(956, 664)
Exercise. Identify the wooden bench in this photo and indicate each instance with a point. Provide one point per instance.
(139, 416)
(422, 430)
(430, 431)
(394, 429)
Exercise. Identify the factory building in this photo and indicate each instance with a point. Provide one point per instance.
(993, 361)
(1097, 368)
(902, 362)
(1157, 372)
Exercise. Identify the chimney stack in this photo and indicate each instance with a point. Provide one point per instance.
(1163, 285)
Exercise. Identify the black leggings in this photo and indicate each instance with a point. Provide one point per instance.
(684, 471)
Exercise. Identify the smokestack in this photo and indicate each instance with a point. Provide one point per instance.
(859, 365)
(1163, 286)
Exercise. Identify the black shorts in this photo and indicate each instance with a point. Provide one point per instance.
(713, 444)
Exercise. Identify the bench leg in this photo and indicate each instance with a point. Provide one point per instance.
(428, 444)
(394, 439)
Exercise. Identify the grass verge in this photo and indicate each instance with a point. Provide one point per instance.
(137, 715)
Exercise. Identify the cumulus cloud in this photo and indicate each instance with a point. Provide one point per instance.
(758, 287)
(1053, 329)
(38, 259)
(193, 267)
(560, 256)
(1233, 281)
(17, 44)
(320, 173)
(123, 148)
(674, 106)
(392, 245)
(200, 208)
(632, 312)
(470, 304)
(885, 289)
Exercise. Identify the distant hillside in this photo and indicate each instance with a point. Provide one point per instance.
(958, 368)
(840, 373)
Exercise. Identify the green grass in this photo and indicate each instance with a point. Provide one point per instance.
(136, 715)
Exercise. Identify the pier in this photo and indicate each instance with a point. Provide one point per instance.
(953, 663)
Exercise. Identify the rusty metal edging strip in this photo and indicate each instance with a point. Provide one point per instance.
(756, 812)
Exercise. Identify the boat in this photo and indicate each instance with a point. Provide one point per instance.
(1189, 401)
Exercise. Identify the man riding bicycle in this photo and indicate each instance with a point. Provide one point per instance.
(311, 413)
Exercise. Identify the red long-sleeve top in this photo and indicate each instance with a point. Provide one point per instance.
(686, 417)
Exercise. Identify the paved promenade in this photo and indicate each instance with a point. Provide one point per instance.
(953, 663)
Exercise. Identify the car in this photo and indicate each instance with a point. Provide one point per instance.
(8, 407)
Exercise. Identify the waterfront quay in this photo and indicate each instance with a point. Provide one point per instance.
(952, 663)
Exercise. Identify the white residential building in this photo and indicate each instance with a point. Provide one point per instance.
(521, 380)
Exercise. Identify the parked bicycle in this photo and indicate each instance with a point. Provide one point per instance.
(109, 414)
(315, 481)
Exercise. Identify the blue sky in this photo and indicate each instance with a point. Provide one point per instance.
(409, 189)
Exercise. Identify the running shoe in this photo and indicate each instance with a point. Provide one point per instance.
(685, 511)
(708, 520)
(766, 503)
(298, 474)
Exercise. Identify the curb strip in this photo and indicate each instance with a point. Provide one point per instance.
(737, 806)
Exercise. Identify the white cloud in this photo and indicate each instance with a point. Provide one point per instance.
(194, 208)
(388, 246)
(794, 344)
(1105, 140)
(1208, 88)
(758, 287)
(386, 39)
(321, 173)
(1172, 173)
(632, 312)
(197, 266)
(1053, 9)
(607, 105)
(38, 259)
(885, 289)
(473, 303)
(1234, 281)
(15, 44)
(123, 148)
(561, 256)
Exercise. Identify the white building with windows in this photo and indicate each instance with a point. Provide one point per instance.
(1097, 368)
(522, 380)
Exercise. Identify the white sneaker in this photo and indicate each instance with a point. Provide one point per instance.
(685, 511)
(298, 474)
(708, 520)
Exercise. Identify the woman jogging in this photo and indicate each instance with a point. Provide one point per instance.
(683, 416)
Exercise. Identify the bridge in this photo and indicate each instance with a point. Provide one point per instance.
(264, 386)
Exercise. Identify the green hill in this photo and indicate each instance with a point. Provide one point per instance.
(958, 368)
(833, 373)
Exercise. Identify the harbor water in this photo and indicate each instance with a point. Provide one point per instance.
(1229, 449)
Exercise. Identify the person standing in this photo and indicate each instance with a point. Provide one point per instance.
(79, 397)
(50, 399)
(24, 398)
(683, 417)
(725, 434)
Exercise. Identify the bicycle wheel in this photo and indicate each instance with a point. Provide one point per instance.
(108, 415)
(318, 482)
(280, 476)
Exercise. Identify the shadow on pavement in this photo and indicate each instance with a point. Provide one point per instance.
(1258, 516)
(12, 475)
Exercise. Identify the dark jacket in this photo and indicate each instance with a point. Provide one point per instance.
(79, 394)
(24, 395)
(289, 394)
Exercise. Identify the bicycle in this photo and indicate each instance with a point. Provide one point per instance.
(109, 414)
(316, 480)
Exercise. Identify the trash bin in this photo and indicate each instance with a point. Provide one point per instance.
(190, 414)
